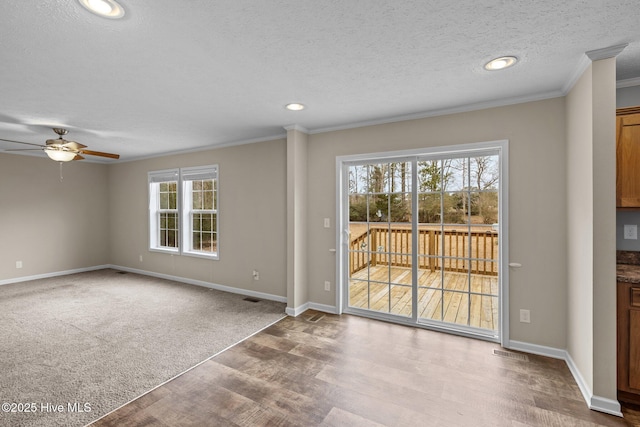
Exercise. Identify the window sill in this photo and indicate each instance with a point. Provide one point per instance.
(202, 255)
(165, 251)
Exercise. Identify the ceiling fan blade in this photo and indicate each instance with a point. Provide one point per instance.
(98, 153)
(24, 149)
(78, 157)
(73, 145)
(20, 142)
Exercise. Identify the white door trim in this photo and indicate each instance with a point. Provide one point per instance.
(501, 146)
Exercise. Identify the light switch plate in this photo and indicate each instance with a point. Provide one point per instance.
(327, 222)
(630, 232)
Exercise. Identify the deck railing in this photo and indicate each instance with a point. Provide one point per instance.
(453, 250)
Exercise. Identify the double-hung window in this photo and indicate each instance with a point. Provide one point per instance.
(183, 211)
(163, 210)
(200, 211)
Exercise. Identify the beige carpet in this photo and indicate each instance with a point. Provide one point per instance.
(74, 348)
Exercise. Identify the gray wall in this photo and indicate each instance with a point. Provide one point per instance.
(49, 225)
(537, 200)
(627, 97)
(252, 217)
(591, 268)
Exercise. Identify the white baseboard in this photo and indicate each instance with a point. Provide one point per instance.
(53, 274)
(202, 283)
(596, 403)
(608, 406)
(585, 389)
(540, 350)
(331, 309)
(297, 311)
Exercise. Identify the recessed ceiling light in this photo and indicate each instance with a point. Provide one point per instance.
(294, 106)
(500, 63)
(105, 8)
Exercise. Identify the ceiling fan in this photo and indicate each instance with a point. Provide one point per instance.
(62, 150)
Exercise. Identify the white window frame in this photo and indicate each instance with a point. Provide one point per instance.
(342, 230)
(187, 176)
(183, 177)
(155, 178)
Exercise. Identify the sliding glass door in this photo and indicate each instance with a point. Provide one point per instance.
(380, 213)
(458, 203)
(422, 241)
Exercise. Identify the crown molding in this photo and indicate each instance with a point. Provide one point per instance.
(577, 73)
(296, 127)
(628, 82)
(595, 55)
(607, 52)
(445, 111)
(206, 148)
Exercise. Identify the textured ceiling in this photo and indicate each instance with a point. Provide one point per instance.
(180, 75)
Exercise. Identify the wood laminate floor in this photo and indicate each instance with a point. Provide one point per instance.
(348, 370)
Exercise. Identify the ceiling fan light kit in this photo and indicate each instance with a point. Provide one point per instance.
(62, 150)
(60, 155)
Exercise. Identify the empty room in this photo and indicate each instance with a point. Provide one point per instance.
(319, 213)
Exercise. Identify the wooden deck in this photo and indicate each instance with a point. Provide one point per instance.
(449, 303)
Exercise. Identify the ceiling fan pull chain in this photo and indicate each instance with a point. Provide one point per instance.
(61, 172)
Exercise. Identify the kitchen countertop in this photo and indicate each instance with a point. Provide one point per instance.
(627, 273)
(628, 267)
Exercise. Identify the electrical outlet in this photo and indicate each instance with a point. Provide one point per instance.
(140, 258)
(525, 316)
(327, 285)
(18, 264)
(256, 275)
(631, 232)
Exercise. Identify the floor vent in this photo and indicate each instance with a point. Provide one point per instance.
(510, 355)
(251, 299)
(315, 318)
(122, 272)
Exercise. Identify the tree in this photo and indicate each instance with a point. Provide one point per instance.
(485, 177)
(433, 178)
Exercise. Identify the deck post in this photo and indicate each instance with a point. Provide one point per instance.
(432, 245)
(374, 246)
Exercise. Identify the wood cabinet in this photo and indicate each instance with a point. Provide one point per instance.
(628, 319)
(628, 157)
